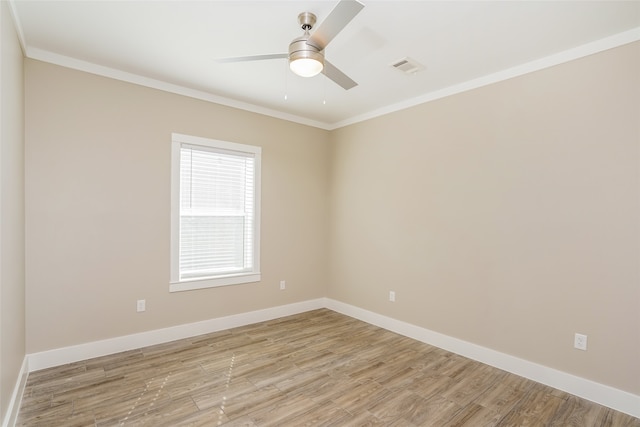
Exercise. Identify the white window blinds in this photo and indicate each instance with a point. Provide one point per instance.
(217, 212)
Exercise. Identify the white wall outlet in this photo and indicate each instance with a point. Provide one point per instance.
(141, 305)
(580, 342)
(283, 285)
(392, 296)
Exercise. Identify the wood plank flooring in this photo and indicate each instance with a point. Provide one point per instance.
(316, 368)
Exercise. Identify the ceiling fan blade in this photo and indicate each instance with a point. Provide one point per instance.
(339, 17)
(340, 78)
(253, 58)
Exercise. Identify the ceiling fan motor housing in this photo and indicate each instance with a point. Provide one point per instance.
(300, 50)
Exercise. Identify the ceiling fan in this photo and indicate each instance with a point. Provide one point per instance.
(306, 53)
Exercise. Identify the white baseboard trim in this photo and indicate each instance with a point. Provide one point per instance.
(602, 394)
(62, 356)
(599, 393)
(11, 416)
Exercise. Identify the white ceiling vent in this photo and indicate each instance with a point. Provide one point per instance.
(408, 65)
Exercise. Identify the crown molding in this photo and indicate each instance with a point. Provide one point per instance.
(18, 26)
(578, 52)
(582, 51)
(101, 70)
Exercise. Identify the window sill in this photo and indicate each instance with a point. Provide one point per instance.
(190, 285)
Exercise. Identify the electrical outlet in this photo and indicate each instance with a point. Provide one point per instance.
(141, 305)
(392, 296)
(580, 342)
(283, 285)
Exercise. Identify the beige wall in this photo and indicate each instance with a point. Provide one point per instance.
(507, 216)
(12, 282)
(97, 208)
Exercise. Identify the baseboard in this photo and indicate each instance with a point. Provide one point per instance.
(602, 394)
(599, 393)
(11, 416)
(62, 356)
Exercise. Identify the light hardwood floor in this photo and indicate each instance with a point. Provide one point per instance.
(315, 368)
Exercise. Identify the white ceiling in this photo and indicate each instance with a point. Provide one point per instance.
(174, 45)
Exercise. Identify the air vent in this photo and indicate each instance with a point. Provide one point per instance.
(408, 65)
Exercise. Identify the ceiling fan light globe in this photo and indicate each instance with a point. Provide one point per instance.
(306, 67)
(305, 60)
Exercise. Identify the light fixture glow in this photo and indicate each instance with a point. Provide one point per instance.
(306, 67)
(305, 60)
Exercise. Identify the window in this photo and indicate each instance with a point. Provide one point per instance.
(215, 213)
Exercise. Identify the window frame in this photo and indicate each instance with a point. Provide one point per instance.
(176, 284)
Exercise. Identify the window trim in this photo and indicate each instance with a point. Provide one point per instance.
(175, 284)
